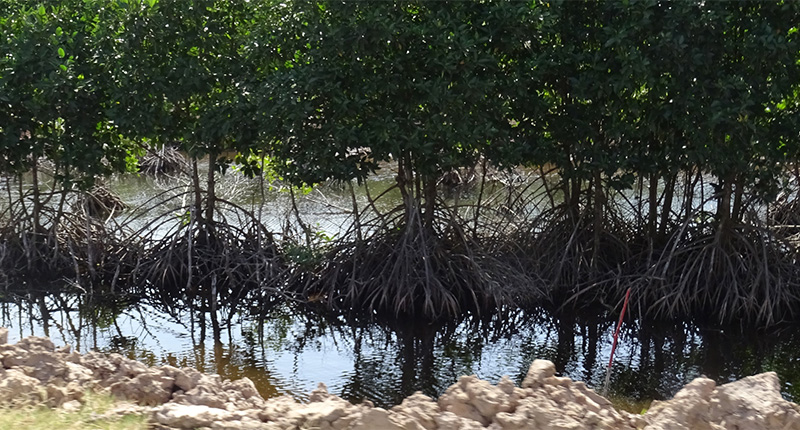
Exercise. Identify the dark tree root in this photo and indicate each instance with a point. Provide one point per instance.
(405, 269)
(745, 273)
(213, 266)
(749, 275)
(79, 248)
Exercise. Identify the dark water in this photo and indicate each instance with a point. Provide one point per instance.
(292, 350)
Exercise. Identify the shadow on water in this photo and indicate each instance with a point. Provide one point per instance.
(290, 349)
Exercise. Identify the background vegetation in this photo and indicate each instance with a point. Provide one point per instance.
(543, 152)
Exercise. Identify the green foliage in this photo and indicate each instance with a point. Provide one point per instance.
(55, 92)
(365, 83)
(329, 90)
(641, 87)
(180, 70)
(612, 86)
(718, 72)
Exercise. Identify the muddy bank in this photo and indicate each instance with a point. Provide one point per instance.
(35, 371)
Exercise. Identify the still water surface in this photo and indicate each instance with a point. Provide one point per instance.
(292, 350)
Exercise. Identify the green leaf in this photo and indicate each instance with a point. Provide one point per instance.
(61, 52)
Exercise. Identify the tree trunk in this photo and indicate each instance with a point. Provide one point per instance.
(90, 258)
(575, 200)
(429, 185)
(480, 199)
(198, 193)
(211, 197)
(724, 207)
(738, 196)
(57, 220)
(598, 207)
(652, 202)
(572, 190)
(691, 186)
(356, 213)
(405, 182)
(666, 208)
(639, 201)
(37, 199)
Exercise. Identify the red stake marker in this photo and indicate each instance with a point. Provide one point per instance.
(616, 335)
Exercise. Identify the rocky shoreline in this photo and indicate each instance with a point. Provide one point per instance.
(35, 371)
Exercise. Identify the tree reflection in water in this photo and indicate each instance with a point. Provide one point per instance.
(287, 350)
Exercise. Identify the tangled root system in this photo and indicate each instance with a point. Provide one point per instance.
(411, 270)
(224, 261)
(746, 273)
(101, 202)
(166, 160)
(78, 248)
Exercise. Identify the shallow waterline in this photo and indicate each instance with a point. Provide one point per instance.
(385, 365)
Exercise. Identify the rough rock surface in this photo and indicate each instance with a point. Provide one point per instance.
(34, 370)
(752, 403)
